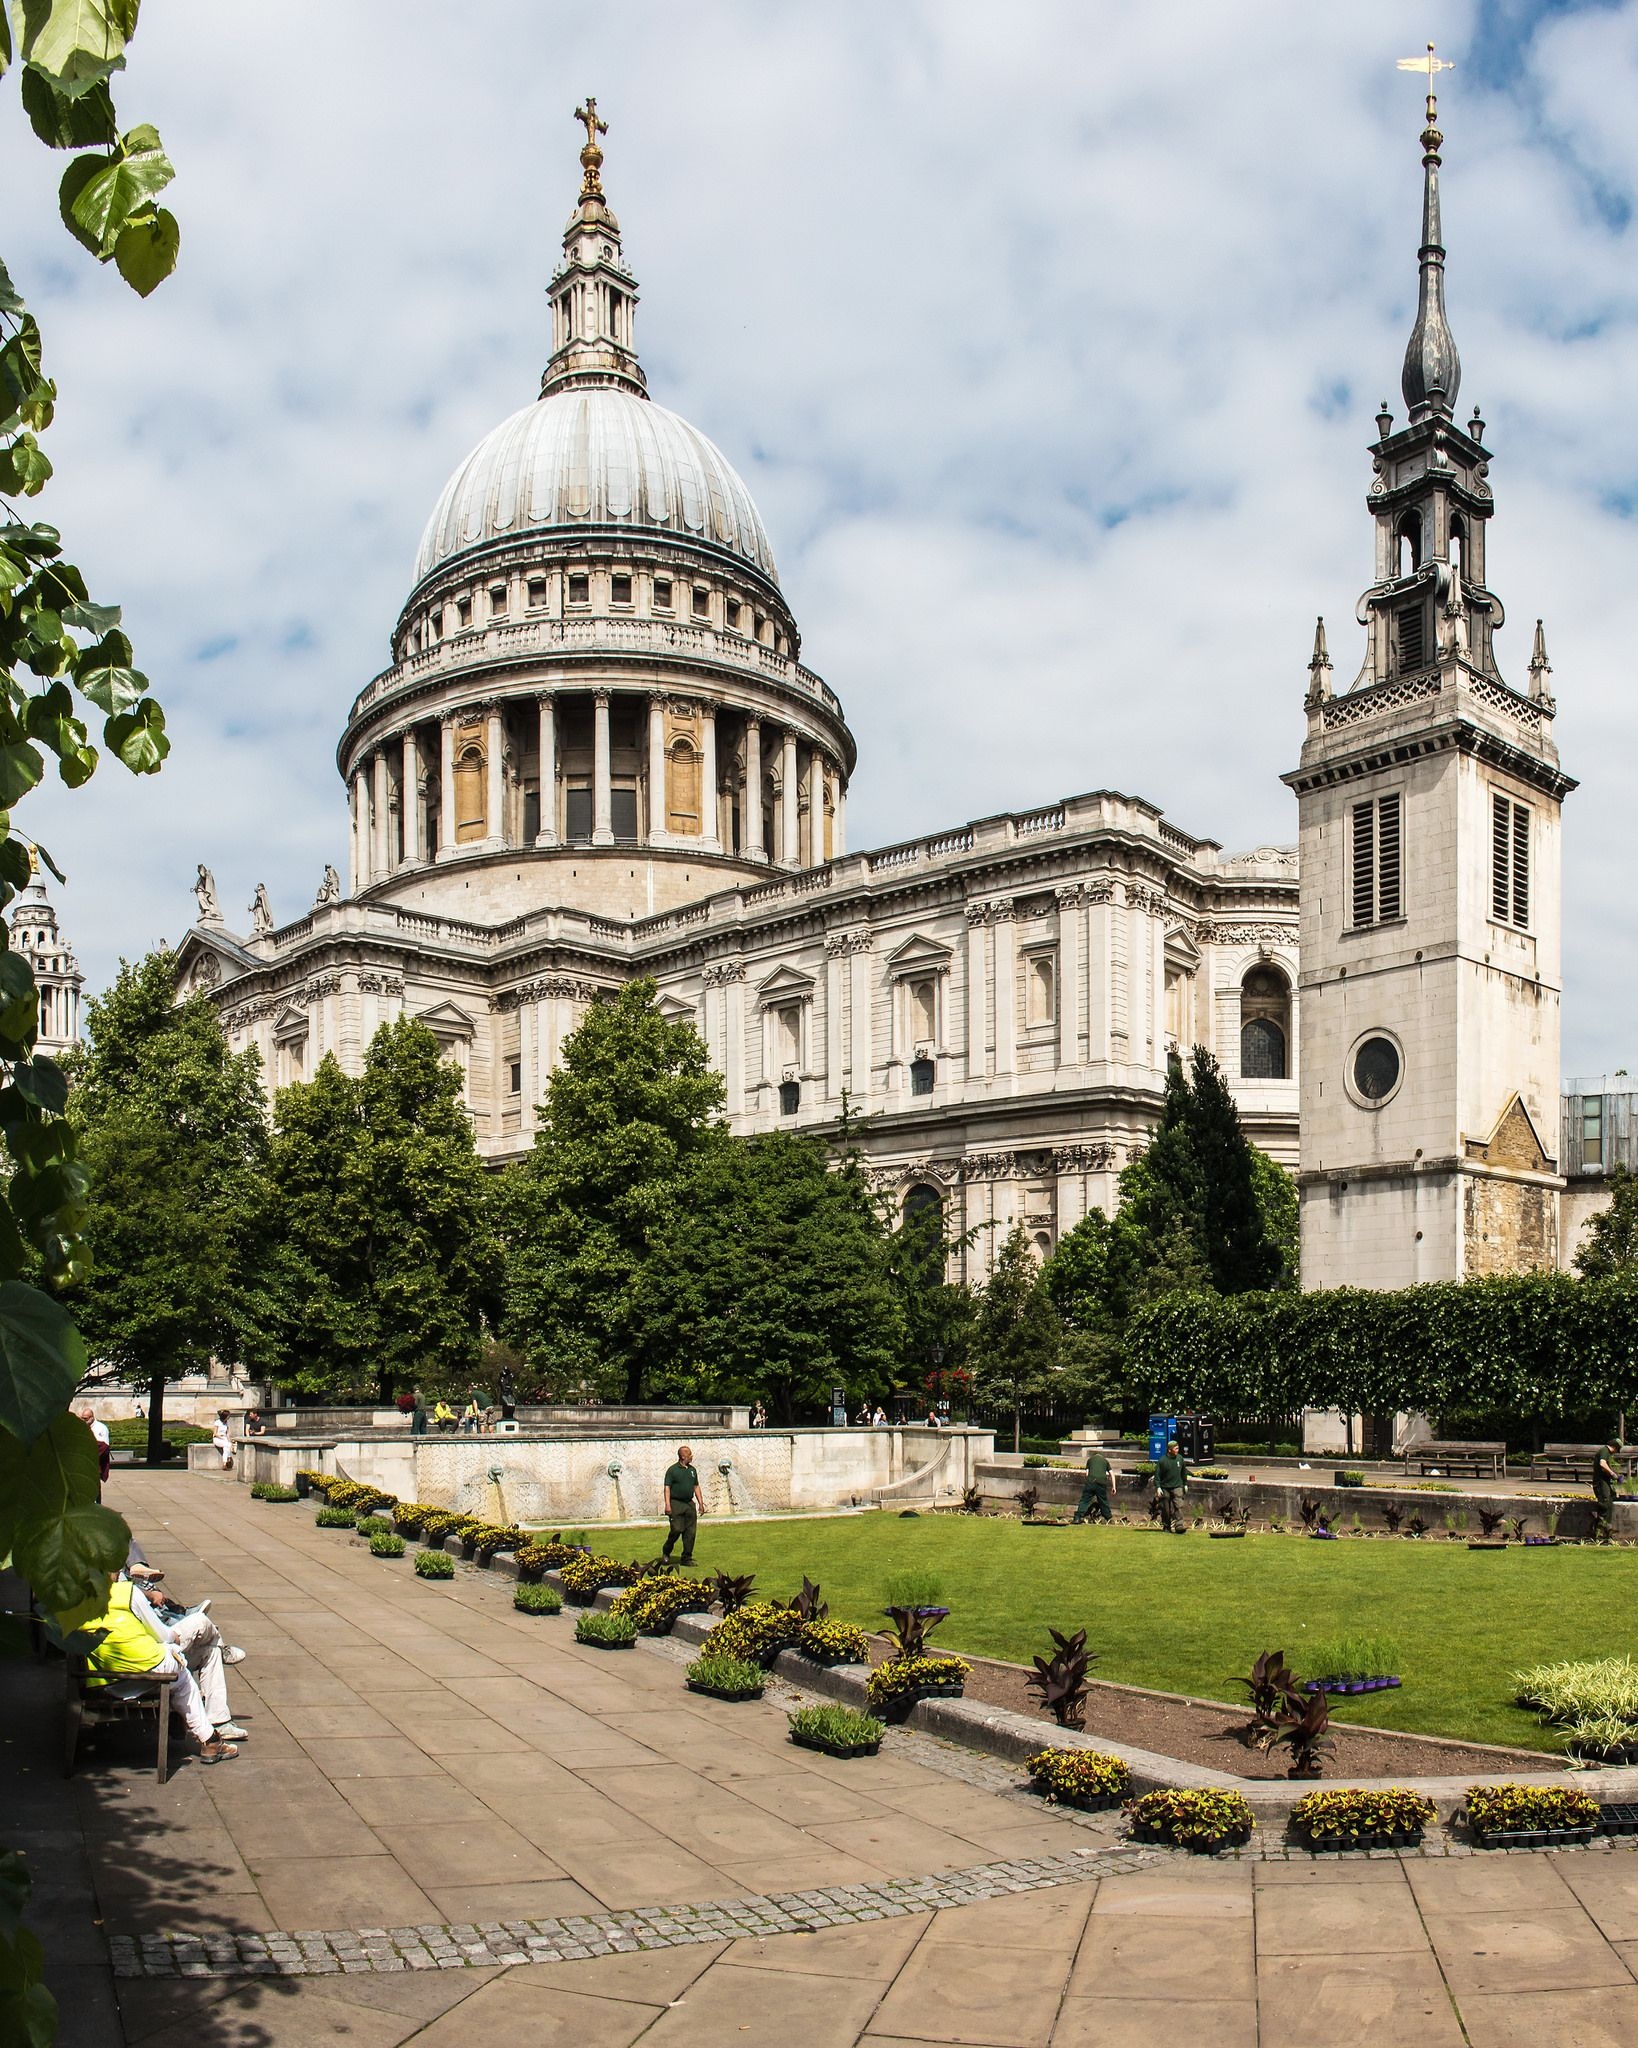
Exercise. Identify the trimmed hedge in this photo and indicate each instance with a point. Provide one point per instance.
(1539, 1343)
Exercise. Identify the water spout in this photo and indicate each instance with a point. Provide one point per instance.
(740, 1502)
(619, 1514)
(500, 1498)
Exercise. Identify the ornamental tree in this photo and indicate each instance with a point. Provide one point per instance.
(1018, 1342)
(1609, 1248)
(381, 1261)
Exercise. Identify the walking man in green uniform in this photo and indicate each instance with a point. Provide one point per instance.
(1171, 1476)
(683, 1506)
(1095, 1493)
(1604, 1478)
(418, 1415)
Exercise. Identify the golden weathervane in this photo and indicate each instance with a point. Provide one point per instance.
(591, 157)
(1431, 66)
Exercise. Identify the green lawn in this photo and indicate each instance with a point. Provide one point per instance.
(131, 1434)
(1186, 1614)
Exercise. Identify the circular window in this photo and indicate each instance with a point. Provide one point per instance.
(1376, 1069)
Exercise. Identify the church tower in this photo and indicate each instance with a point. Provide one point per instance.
(1429, 796)
(57, 976)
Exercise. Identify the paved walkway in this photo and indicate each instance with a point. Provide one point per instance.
(450, 1790)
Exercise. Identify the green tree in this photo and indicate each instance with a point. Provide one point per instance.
(938, 1314)
(1018, 1342)
(59, 653)
(628, 1111)
(172, 1132)
(772, 1275)
(1609, 1248)
(381, 1261)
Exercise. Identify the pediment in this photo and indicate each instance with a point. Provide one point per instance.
(290, 1024)
(918, 953)
(1181, 951)
(674, 1010)
(785, 984)
(1514, 1142)
(446, 1022)
(209, 956)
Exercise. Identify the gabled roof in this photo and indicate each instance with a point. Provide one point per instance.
(446, 1020)
(917, 951)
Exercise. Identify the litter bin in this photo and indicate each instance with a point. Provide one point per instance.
(1162, 1428)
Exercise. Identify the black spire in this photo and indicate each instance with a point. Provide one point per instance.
(1433, 371)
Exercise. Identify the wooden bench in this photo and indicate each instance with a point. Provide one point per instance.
(120, 1699)
(1574, 1462)
(1482, 1460)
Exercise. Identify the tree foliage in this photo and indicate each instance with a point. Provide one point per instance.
(771, 1279)
(173, 1135)
(628, 1111)
(380, 1249)
(1018, 1341)
(1609, 1249)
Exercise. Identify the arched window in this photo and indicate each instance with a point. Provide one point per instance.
(1265, 1025)
(923, 1073)
(921, 1199)
(1458, 545)
(469, 793)
(683, 795)
(1408, 544)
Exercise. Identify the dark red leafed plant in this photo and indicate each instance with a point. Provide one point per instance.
(808, 1604)
(1305, 1729)
(1393, 1515)
(912, 1626)
(1274, 1689)
(731, 1594)
(1060, 1680)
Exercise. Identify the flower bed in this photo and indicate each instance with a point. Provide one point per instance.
(409, 1516)
(373, 1525)
(310, 1481)
(1083, 1778)
(538, 1600)
(1362, 1819)
(757, 1632)
(837, 1731)
(268, 1489)
(655, 1602)
(434, 1564)
(585, 1576)
(726, 1678)
(606, 1631)
(384, 1543)
(1204, 1821)
(1529, 1816)
(894, 1688)
(548, 1556)
(834, 1642)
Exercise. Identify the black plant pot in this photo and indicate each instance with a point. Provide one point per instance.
(1380, 1838)
(1226, 1535)
(1532, 1838)
(595, 1645)
(842, 1749)
(1236, 1838)
(725, 1692)
(828, 1660)
(1083, 1802)
(898, 1708)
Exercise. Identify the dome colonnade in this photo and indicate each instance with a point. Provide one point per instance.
(596, 657)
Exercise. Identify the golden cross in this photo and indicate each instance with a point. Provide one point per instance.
(1431, 66)
(594, 127)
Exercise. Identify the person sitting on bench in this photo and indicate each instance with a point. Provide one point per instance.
(134, 1643)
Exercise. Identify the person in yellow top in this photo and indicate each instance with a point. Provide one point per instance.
(443, 1416)
(133, 1643)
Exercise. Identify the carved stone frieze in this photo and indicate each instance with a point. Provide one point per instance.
(372, 984)
(1154, 901)
(723, 972)
(997, 910)
(1247, 934)
(1033, 1162)
(849, 942)
(552, 988)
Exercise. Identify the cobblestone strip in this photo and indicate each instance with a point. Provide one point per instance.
(491, 1943)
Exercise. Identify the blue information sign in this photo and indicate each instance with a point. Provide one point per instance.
(1162, 1428)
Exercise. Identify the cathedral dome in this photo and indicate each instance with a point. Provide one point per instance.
(588, 455)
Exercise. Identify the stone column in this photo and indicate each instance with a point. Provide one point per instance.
(546, 835)
(494, 794)
(790, 818)
(835, 1051)
(1070, 1044)
(978, 979)
(816, 809)
(381, 816)
(414, 845)
(1098, 972)
(361, 831)
(1006, 988)
(838, 835)
(658, 805)
(602, 785)
(446, 788)
(751, 801)
(860, 998)
(710, 806)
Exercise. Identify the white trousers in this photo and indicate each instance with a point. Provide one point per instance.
(198, 1681)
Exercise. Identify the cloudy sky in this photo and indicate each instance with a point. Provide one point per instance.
(1048, 337)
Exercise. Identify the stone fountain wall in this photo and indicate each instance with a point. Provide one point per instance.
(566, 1481)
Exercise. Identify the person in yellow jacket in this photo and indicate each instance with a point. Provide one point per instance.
(133, 1644)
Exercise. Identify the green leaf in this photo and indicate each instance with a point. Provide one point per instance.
(86, 617)
(104, 673)
(145, 254)
(5, 40)
(20, 365)
(24, 467)
(15, 865)
(42, 1082)
(11, 300)
(48, 1486)
(137, 736)
(77, 43)
(83, 122)
(28, 2012)
(46, 861)
(39, 541)
(98, 195)
(20, 769)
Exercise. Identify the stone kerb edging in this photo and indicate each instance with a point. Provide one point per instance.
(998, 1732)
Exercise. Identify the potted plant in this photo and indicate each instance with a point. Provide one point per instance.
(1272, 1686)
(528, 1599)
(1205, 1821)
(1370, 1819)
(335, 1518)
(384, 1543)
(1530, 1816)
(833, 1642)
(270, 1490)
(1083, 1778)
(606, 1631)
(1304, 1727)
(722, 1677)
(1060, 1681)
(836, 1731)
(1348, 1478)
(1029, 1499)
(758, 1632)
(895, 1687)
(434, 1564)
(1352, 1664)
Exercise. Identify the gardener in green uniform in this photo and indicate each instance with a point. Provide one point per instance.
(1095, 1493)
(1171, 1476)
(1604, 1479)
(683, 1506)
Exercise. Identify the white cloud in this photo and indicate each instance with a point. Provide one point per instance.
(1048, 338)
